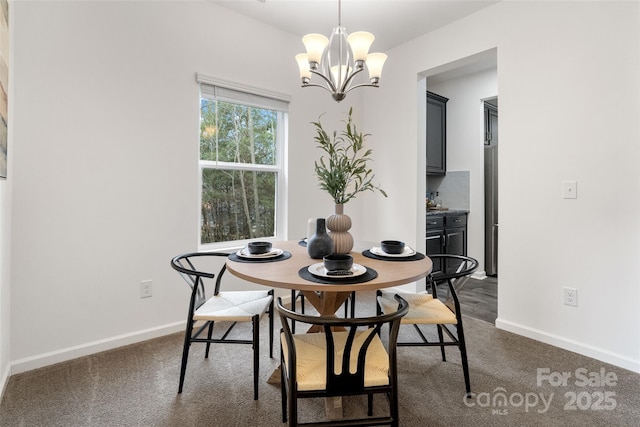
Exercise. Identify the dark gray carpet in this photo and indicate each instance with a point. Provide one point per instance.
(137, 385)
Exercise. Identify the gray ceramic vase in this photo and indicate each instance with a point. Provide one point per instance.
(320, 244)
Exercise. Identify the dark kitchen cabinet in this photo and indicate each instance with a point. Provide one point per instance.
(446, 234)
(435, 238)
(490, 124)
(436, 134)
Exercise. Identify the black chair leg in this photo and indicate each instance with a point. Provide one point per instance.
(185, 355)
(351, 300)
(283, 390)
(393, 407)
(293, 409)
(346, 308)
(353, 304)
(378, 308)
(256, 354)
(294, 297)
(441, 338)
(271, 327)
(209, 335)
(463, 357)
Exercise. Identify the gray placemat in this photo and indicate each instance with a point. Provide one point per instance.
(417, 256)
(370, 274)
(281, 257)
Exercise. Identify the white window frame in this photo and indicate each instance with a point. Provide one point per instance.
(256, 97)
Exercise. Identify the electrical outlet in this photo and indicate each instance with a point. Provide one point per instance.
(146, 288)
(571, 297)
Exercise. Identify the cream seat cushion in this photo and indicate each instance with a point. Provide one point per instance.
(239, 306)
(423, 308)
(311, 359)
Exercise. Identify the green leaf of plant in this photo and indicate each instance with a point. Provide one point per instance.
(345, 172)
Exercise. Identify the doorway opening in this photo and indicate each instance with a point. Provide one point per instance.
(491, 187)
(468, 83)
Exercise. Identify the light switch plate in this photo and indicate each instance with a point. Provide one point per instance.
(569, 190)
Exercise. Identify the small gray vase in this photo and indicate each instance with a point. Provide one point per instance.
(320, 244)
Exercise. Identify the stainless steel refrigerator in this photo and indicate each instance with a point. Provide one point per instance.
(491, 190)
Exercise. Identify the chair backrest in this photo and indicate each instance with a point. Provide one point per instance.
(465, 266)
(455, 279)
(340, 377)
(185, 265)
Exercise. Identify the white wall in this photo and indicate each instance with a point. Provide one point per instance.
(105, 161)
(5, 242)
(5, 284)
(569, 102)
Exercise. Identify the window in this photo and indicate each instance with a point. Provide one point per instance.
(242, 140)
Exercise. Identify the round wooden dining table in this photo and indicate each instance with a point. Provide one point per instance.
(327, 297)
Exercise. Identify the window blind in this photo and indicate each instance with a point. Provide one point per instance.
(214, 88)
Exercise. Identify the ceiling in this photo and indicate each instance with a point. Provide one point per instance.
(393, 22)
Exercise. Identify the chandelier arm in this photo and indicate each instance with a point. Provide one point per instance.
(331, 85)
(317, 85)
(348, 79)
(360, 85)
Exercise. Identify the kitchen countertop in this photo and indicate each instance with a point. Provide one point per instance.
(447, 212)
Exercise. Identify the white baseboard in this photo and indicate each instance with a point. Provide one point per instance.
(570, 345)
(479, 275)
(62, 355)
(5, 380)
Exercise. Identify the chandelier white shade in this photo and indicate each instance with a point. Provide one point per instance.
(338, 59)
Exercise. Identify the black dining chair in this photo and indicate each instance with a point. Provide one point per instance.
(349, 305)
(225, 307)
(428, 308)
(348, 359)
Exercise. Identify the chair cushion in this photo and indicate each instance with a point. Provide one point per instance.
(423, 308)
(235, 306)
(312, 361)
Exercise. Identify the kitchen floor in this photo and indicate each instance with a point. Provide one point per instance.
(479, 299)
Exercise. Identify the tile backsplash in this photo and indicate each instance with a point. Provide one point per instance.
(453, 189)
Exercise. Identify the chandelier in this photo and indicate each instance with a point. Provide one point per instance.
(338, 59)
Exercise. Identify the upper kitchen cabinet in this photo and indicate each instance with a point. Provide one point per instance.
(436, 134)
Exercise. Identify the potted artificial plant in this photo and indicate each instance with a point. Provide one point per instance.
(343, 172)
